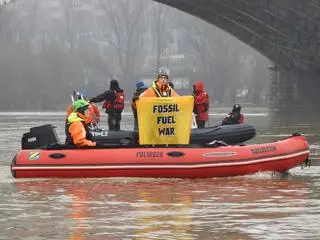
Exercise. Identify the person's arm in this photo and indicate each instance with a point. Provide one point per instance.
(148, 93)
(78, 134)
(234, 118)
(100, 98)
(227, 119)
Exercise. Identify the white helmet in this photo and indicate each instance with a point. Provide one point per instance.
(163, 72)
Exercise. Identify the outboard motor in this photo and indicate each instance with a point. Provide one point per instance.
(39, 137)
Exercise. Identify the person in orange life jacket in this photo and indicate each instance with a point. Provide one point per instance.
(75, 96)
(160, 86)
(77, 130)
(201, 104)
(140, 88)
(93, 109)
(113, 104)
(234, 117)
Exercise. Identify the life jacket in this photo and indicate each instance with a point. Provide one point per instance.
(69, 140)
(95, 113)
(204, 105)
(159, 93)
(117, 105)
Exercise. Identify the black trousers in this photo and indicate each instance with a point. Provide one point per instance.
(201, 123)
(114, 120)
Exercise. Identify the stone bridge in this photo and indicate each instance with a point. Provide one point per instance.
(285, 31)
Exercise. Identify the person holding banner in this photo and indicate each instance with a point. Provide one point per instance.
(164, 120)
(201, 104)
(164, 116)
(160, 86)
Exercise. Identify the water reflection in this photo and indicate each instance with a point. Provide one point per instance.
(159, 209)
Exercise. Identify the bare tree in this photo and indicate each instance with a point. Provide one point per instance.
(160, 16)
(71, 22)
(5, 17)
(28, 26)
(34, 76)
(126, 31)
(212, 53)
(99, 63)
(221, 60)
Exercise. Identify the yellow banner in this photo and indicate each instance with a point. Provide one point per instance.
(165, 120)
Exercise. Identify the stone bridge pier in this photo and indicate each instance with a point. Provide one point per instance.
(293, 93)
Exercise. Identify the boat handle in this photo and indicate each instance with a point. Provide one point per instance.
(57, 155)
(175, 154)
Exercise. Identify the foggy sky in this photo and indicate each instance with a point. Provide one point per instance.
(49, 48)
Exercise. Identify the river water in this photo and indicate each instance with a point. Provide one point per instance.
(260, 206)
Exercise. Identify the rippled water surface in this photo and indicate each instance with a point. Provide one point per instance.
(261, 206)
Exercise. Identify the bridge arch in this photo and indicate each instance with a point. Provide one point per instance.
(287, 32)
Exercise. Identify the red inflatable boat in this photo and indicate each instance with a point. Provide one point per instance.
(168, 162)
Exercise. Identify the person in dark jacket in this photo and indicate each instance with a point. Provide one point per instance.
(201, 104)
(234, 117)
(113, 104)
(140, 88)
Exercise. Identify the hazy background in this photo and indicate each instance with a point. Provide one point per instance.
(48, 48)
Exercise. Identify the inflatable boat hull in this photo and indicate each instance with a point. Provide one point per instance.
(165, 162)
